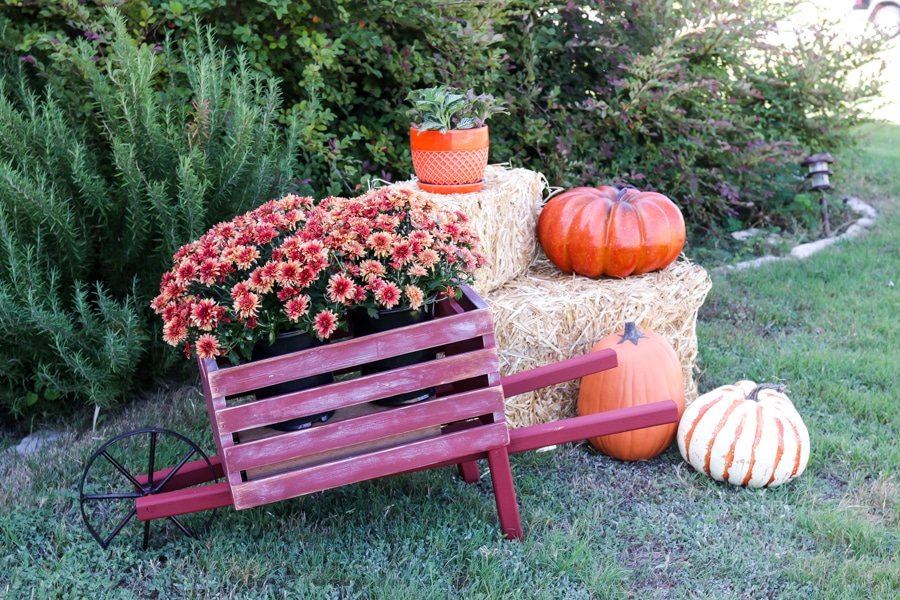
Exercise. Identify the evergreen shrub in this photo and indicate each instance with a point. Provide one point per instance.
(93, 207)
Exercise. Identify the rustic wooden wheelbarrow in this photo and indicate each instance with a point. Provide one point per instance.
(171, 478)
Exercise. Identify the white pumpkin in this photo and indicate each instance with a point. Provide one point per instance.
(745, 434)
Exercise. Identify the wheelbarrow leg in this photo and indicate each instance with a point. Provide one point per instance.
(505, 494)
(469, 471)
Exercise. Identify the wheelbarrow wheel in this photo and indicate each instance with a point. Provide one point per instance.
(132, 465)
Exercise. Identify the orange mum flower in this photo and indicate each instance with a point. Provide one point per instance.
(207, 346)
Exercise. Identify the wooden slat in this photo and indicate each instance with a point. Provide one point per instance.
(310, 460)
(572, 368)
(240, 379)
(369, 466)
(354, 391)
(361, 429)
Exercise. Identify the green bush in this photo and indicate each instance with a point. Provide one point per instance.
(690, 99)
(346, 65)
(93, 208)
(126, 133)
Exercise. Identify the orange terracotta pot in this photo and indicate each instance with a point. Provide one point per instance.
(451, 162)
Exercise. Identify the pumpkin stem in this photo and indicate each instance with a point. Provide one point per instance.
(623, 191)
(631, 334)
(765, 386)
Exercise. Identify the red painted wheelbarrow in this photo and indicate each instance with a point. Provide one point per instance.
(154, 473)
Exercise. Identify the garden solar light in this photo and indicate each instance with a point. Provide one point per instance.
(819, 172)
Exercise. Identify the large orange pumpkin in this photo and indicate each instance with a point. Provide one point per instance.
(611, 231)
(648, 371)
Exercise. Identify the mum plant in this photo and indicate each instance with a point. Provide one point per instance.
(443, 108)
(396, 248)
(265, 272)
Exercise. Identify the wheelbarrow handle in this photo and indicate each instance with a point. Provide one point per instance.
(565, 370)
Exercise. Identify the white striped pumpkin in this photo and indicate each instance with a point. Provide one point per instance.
(745, 434)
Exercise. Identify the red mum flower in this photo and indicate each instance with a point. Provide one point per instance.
(388, 295)
(264, 233)
(175, 332)
(245, 256)
(341, 288)
(205, 314)
(401, 253)
(158, 303)
(289, 273)
(297, 307)
(240, 289)
(325, 323)
(246, 305)
(209, 271)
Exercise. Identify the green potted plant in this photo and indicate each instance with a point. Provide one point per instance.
(449, 139)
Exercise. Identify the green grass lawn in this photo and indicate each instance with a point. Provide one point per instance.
(827, 326)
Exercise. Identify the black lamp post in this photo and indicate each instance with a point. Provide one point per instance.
(817, 164)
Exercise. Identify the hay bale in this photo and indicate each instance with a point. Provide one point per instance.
(504, 213)
(546, 316)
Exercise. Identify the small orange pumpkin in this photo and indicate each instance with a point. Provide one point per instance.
(611, 231)
(648, 371)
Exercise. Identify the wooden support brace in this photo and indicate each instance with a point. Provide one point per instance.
(190, 474)
(182, 502)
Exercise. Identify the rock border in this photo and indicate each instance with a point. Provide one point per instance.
(857, 228)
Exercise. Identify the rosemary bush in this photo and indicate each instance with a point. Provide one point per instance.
(95, 198)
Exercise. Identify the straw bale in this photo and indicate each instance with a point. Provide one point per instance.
(546, 316)
(504, 214)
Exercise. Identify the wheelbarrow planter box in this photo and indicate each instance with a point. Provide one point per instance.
(360, 441)
(464, 423)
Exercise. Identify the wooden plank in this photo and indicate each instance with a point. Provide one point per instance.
(588, 426)
(572, 368)
(295, 462)
(367, 424)
(354, 391)
(240, 379)
(369, 466)
(182, 502)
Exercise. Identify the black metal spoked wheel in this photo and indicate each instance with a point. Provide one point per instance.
(132, 465)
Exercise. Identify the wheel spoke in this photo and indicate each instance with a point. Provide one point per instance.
(122, 470)
(119, 527)
(152, 460)
(182, 527)
(183, 462)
